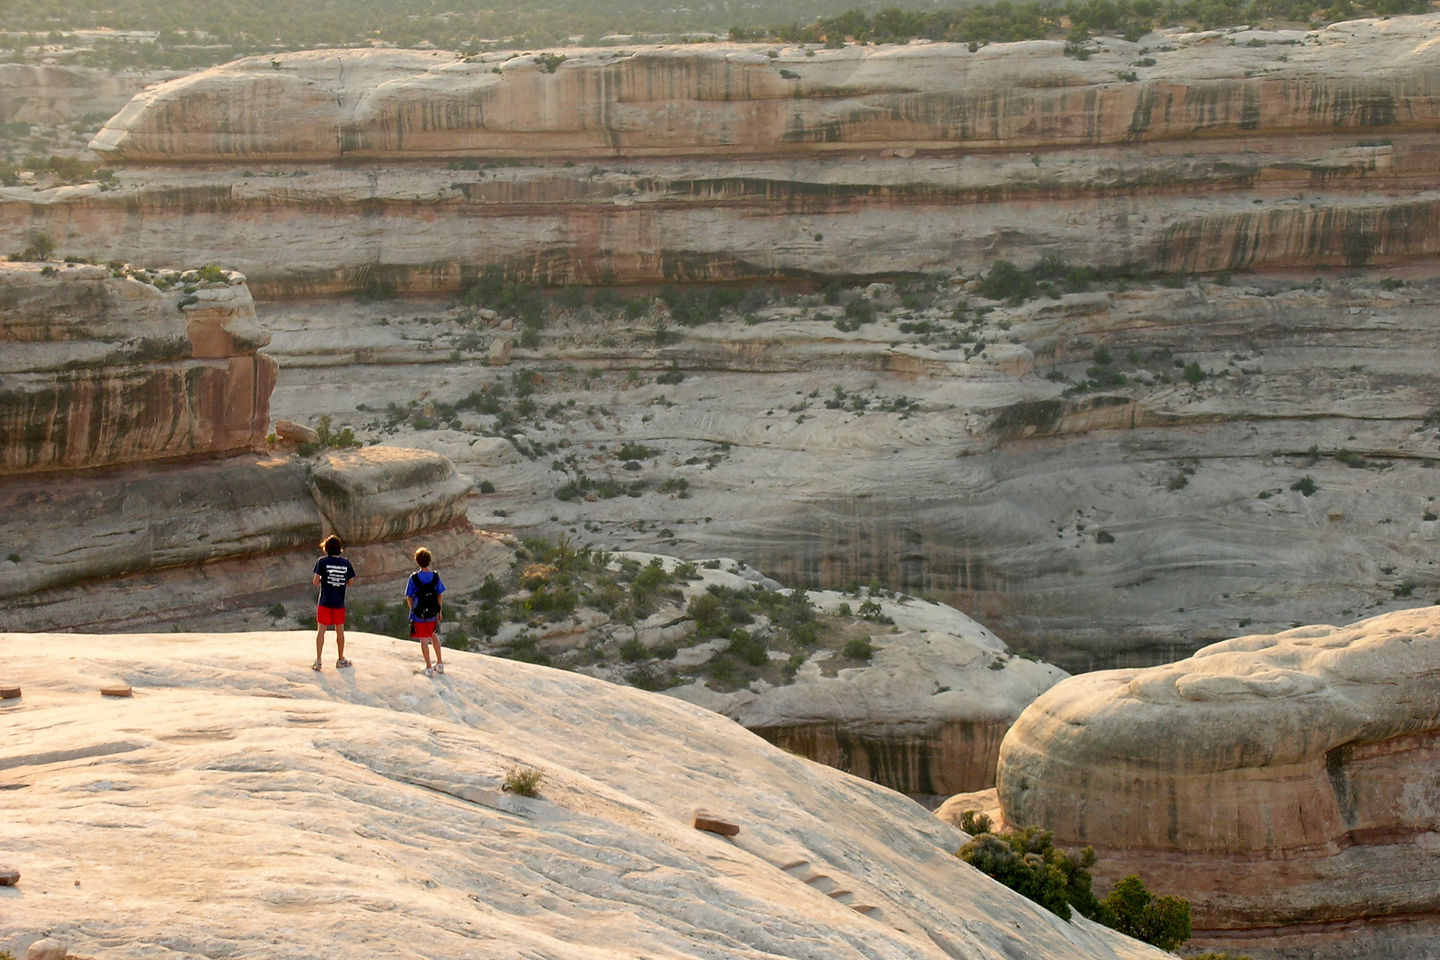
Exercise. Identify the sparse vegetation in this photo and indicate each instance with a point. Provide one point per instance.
(524, 780)
(1029, 863)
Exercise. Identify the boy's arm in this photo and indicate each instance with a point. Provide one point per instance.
(315, 580)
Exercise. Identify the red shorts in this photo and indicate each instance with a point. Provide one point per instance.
(330, 616)
(422, 629)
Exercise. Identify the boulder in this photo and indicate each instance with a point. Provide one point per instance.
(378, 493)
(47, 949)
(1287, 785)
(295, 432)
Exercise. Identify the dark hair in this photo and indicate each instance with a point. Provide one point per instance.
(331, 546)
(422, 557)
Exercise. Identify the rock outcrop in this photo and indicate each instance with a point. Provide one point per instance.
(737, 101)
(238, 798)
(1286, 785)
(975, 461)
(925, 715)
(132, 410)
(335, 171)
(101, 370)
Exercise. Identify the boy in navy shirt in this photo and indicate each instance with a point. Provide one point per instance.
(423, 594)
(333, 574)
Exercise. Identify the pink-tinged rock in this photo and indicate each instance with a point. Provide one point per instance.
(103, 370)
(1287, 785)
(47, 949)
(9, 876)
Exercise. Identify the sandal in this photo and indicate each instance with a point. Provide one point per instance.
(439, 668)
(316, 665)
(342, 662)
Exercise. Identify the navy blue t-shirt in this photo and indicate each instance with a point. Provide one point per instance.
(334, 573)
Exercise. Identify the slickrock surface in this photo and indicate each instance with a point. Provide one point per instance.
(1287, 785)
(241, 804)
(336, 171)
(102, 370)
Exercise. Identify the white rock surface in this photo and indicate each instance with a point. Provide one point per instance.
(241, 805)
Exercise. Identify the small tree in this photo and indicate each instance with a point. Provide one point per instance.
(1131, 909)
(1029, 863)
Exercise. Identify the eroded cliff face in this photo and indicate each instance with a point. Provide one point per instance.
(103, 370)
(1286, 785)
(737, 100)
(132, 409)
(1108, 478)
(337, 171)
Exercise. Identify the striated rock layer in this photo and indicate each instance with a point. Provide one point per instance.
(101, 370)
(131, 409)
(1286, 785)
(336, 171)
(241, 804)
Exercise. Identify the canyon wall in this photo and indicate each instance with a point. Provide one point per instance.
(103, 370)
(133, 411)
(1285, 785)
(1298, 166)
(336, 171)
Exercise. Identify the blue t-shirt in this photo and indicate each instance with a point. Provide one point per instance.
(334, 574)
(424, 577)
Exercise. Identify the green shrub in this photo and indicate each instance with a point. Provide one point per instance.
(524, 780)
(858, 648)
(748, 648)
(1029, 863)
(1306, 485)
(1005, 281)
(1161, 921)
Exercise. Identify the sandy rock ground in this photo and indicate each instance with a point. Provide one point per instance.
(239, 804)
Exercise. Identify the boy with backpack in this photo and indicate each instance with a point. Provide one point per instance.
(423, 594)
(333, 573)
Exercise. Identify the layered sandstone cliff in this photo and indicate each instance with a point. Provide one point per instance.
(133, 408)
(336, 171)
(1286, 785)
(103, 370)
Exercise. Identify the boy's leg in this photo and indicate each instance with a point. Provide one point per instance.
(340, 640)
(319, 644)
(424, 644)
(435, 639)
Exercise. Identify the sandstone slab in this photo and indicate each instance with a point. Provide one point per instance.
(248, 794)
